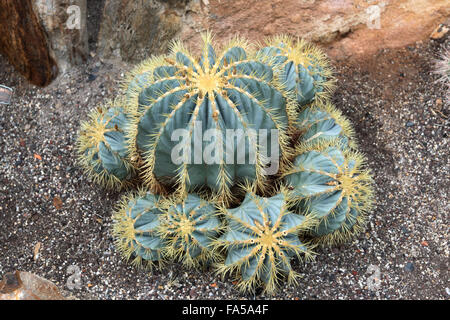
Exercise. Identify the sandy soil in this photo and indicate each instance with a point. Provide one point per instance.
(401, 121)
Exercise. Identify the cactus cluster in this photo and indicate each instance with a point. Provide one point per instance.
(211, 200)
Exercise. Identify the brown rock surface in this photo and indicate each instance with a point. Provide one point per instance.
(345, 27)
(27, 286)
(133, 30)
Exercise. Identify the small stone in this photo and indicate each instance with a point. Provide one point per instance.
(27, 286)
(409, 124)
(409, 267)
(193, 293)
(91, 77)
(440, 32)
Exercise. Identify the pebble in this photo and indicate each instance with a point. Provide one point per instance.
(409, 267)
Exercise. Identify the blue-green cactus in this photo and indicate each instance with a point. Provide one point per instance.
(136, 228)
(329, 182)
(324, 122)
(190, 226)
(303, 68)
(261, 238)
(222, 92)
(103, 147)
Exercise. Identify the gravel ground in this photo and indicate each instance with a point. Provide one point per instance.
(401, 121)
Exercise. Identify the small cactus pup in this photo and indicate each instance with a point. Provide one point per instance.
(136, 228)
(196, 119)
(261, 238)
(329, 182)
(316, 122)
(303, 68)
(190, 227)
(102, 146)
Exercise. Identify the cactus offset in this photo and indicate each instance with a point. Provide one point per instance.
(137, 228)
(329, 182)
(103, 147)
(303, 68)
(227, 91)
(190, 226)
(324, 122)
(261, 239)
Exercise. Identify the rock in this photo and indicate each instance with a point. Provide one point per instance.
(5, 94)
(344, 27)
(64, 22)
(133, 30)
(409, 267)
(91, 77)
(440, 32)
(27, 286)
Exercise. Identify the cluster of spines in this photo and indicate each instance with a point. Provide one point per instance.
(190, 227)
(261, 238)
(302, 67)
(137, 222)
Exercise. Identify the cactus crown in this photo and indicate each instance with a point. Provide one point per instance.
(136, 229)
(330, 182)
(190, 227)
(261, 238)
(302, 67)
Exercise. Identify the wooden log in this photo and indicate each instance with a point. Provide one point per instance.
(24, 42)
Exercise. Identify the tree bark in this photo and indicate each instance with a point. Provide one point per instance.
(24, 42)
(43, 37)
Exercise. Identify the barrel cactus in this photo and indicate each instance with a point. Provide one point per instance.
(103, 148)
(303, 68)
(329, 182)
(204, 131)
(190, 227)
(220, 93)
(136, 229)
(261, 238)
(318, 122)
